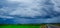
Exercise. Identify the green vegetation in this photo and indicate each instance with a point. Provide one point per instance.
(25, 25)
(19, 26)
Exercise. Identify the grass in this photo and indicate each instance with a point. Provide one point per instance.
(20, 26)
(25, 25)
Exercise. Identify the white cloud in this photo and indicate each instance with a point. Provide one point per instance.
(9, 17)
(28, 10)
(56, 5)
(22, 1)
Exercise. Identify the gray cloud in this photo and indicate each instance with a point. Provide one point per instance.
(44, 11)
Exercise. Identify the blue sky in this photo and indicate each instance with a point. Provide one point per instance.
(29, 11)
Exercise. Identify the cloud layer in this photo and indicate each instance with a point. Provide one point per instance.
(31, 11)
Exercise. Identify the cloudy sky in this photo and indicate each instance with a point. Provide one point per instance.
(29, 11)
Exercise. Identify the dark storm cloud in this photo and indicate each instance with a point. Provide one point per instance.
(38, 11)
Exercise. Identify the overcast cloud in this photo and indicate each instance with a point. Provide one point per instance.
(39, 11)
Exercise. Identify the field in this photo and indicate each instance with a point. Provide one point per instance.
(25, 25)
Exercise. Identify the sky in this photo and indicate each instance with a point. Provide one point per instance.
(29, 11)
